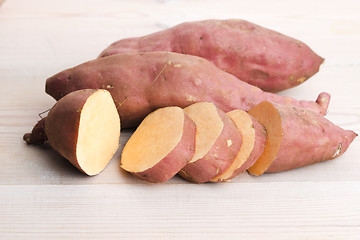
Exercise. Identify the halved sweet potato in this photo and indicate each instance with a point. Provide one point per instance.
(296, 137)
(253, 143)
(217, 143)
(161, 146)
(84, 127)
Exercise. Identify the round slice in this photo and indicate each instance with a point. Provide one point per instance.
(161, 146)
(253, 143)
(217, 143)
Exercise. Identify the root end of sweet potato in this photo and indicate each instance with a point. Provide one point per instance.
(37, 135)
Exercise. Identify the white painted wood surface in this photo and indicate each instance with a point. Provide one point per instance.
(43, 197)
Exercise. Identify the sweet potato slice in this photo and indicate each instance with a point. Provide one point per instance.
(217, 143)
(161, 146)
(253, 143)
(84, 127)
(296, 137)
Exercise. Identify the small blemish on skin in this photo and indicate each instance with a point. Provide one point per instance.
(177, 65)
(322, 99)
(79, 110)
(185, 173)
(217, 170)
(197, 82)
(109, 86)
(301, 80)
(338, 150)
(190, 98)
(229, 142)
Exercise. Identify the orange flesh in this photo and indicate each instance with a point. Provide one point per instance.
(270, 118)
(243, 122)
(99, 133)
(157, 135)
(208, 127)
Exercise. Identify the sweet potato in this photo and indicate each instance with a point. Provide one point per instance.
(84, 127)
(296, 137)
(217, 143)
(161, 146)
(142, 82)
(253, 143)
(256, 55)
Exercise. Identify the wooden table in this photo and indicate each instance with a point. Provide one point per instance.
(43, 197)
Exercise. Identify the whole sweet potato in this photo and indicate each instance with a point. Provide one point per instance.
(256, 55)
(142, 82)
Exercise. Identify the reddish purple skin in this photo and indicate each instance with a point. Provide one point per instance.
(259, 145)
(175, 160)
(37, 135)
(308, 138)
(256, 55)
(143, 82)
(62, 124)
(219, 157)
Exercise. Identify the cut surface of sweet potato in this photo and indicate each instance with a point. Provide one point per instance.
(217, 143)
(208, 124)
(296, 138)
(253, 140)
(99, 132)
(84, 127)
(161, 146)
(267, 115)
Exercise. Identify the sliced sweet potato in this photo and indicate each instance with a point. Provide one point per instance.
(217, 143)
(296, 137)
(84, 127)
(161, 146)
(253, 143)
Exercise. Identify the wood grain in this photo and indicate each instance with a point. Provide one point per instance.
(43, 197)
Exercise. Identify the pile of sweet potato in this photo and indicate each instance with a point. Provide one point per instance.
(199, 95)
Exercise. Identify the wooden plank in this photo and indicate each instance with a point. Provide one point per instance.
(43, 197)
(289, 210)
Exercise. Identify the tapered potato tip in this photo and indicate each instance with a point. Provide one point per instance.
(297, 137)
(37, 136)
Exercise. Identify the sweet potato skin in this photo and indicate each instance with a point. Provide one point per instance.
(62, 124)
(38, 134)
(142, 82)
(256, 55)
(260, 139)
(175, 160)
(308, 138)
(219, 157)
